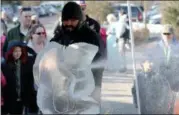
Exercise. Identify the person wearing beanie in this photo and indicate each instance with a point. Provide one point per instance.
(19, 94)
(92, 23)
(74, 30)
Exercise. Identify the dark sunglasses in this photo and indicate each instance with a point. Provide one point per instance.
(27, 16)
(40, 33)
(167, 34)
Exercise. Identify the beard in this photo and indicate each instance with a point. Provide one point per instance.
(70, 29)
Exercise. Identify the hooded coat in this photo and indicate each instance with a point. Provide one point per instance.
(28, 94)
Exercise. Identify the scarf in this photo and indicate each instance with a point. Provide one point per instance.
(18, 77)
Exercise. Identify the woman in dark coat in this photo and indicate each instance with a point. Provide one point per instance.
(17, 69)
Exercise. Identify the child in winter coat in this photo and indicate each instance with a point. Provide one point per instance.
(17, 69)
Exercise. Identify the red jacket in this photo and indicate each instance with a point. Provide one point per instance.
(103, 35)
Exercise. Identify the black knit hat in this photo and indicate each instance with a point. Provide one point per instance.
(72, 11)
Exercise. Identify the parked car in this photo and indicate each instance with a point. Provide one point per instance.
(154, 10)
(156, 19)
(58, 5)
(39, 11)
(50, 9)
(137, 11)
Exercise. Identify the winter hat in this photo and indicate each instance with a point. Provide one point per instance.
(72, 11)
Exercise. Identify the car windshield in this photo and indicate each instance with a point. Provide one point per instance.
(154, 21)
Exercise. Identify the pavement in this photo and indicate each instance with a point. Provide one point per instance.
(116, 93)
(116, 87)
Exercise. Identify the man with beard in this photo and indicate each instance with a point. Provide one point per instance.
(93, 24)
(65, 84)
(19, 32)
(74, 30)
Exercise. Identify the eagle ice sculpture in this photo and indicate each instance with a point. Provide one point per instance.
(64, 79)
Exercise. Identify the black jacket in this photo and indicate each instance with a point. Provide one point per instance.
(13, 34)
(27, 85)
(83, 34)
(86, 35)
(93, 24)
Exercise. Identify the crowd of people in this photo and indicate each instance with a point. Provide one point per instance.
(21, 45)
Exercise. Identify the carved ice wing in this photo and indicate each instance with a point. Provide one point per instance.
(36, 66)
(80, 54)
(47, 69)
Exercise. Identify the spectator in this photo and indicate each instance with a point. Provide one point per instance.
(19, 32)
(37, 41)
(17, 69)
(112, 51)
(93, 24)
(121, 26)
(37, 37)
(167, 43)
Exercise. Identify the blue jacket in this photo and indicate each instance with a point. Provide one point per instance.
(157, 53)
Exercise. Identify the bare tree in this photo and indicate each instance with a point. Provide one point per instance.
(170, 14)
(98, 9)
(30, 3)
